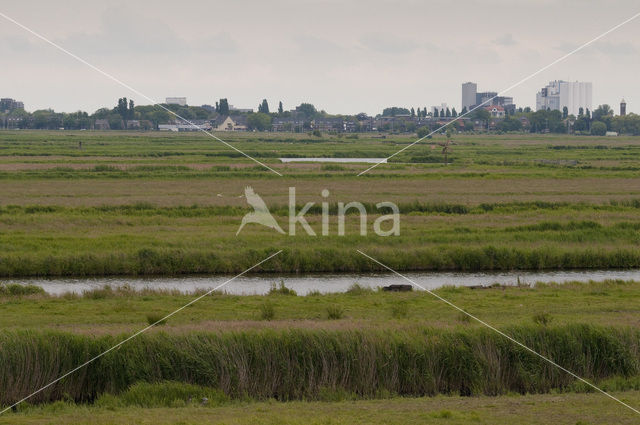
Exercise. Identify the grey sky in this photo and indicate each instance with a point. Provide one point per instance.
(343, 56)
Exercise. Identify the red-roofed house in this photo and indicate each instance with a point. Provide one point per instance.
(496, 111)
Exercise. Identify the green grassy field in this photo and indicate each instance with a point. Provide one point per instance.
(565, 409)
(155, 203)
(131, 203)
(114, 311)
(359, 344)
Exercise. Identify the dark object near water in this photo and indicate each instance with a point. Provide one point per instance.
(397, 288)
(492, 286)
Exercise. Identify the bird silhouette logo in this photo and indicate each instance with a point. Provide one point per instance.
(260, 214)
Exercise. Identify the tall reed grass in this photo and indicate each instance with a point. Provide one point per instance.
(309, 259)
(301, 364)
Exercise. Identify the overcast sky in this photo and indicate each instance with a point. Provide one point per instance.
(343, 56)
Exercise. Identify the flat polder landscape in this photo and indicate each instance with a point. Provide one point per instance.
(85, 204)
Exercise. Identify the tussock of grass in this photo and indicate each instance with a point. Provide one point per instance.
(156, 318)
(281, 290)
(267, 311)
(335, 312)
(542, 319)
(463, 318)
(357, 289)
(163, 394)
(16, 290)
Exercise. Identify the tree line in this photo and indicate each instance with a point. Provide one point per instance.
(596, 122)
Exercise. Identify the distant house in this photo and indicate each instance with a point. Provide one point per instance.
(228, 123)
(478, 125)
(496, 111)
(167, 127)
(366, 124)
(102, 124)
(194, 125)
(10, 122)
(133, 124)
(328, 124)
(146, 124)
(287, 124)
(186, 126)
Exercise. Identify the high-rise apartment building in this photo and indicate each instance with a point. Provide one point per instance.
(469, 91)
(471, 98)
(8, 104)
(560, 94)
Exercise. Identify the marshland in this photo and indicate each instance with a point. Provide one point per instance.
(134, 204)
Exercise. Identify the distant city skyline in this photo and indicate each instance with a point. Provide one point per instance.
(485, 99)
(349, 58)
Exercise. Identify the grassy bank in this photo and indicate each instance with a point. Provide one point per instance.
(114, 311)
(142, 239)
(570, 409)
(297, 364)
(182, 261)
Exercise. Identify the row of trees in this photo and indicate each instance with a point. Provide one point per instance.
(395, 111)
(599, 121)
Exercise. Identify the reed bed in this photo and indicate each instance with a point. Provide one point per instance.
(330, 257)
(302, 364)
